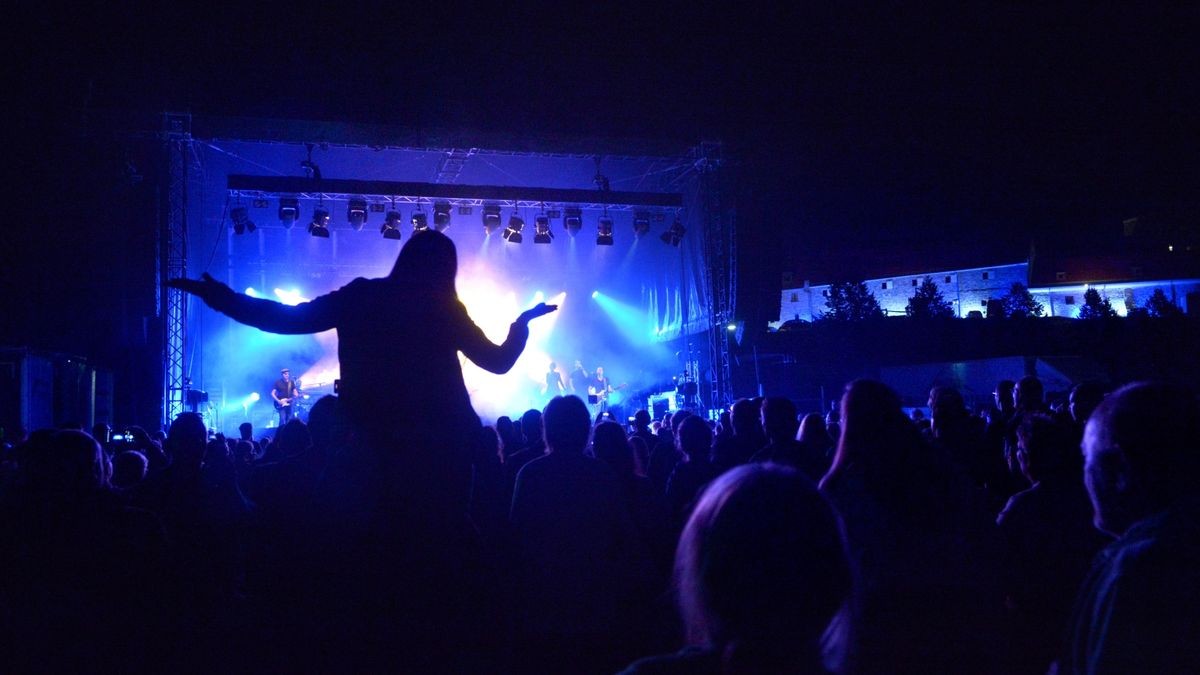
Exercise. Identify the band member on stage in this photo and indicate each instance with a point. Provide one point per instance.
(554, 382)
(579, 378)
(598, 390)
(284, 394)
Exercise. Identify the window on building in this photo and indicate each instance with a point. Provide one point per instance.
(1060, 276)
(987, 275)
(914, 283)
(795, 297)
(983, 303)
(1070, 300)
(947, 279)
(886, 285)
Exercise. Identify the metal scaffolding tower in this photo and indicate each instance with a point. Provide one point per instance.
(720, 258)
(172, 251)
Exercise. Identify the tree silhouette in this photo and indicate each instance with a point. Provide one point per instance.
(850, 301)
(1159, 305)
(1096, 307)
(1020, 302)
(928, 302)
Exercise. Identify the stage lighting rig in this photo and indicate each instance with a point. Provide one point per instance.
(674, 234)
(241, 220)
(420, 220)
(289, 211)
(319, 227)
(491, 218)
(572, 220)
(541, 229)
(604, 231)
(441, 216)
(391, 225)
(357, 213)
(512, 233)
(641, 223)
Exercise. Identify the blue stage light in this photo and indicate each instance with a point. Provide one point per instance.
(604, 231)
(391, 225)
(319, 227)
(357, 213)
(241, 220)
(441, 216)
(595, 294)
(289, 211)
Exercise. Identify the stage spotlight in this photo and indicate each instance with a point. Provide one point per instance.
(319, 227)
(674, 234)
(441, 216)
(512, 233)
(420, 221)
(595, 294)
(541, 229)
(604, 231)
(241, 220)
(491, 218)
(357, 213)
(289, 211)
(641, 223)
(572, 220)
(391, 225)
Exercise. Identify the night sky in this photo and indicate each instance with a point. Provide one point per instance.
(872, 127)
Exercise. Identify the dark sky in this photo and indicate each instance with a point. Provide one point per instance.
(974, 128)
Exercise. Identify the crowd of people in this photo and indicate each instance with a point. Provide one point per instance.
(759, 542)
(395, 532)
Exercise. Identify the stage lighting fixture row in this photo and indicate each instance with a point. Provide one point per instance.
(357, 213)
(541, 229)
(241, 220)
(641, 223)
(289, 211)
(420, 221)
(491, 218)
(572, 220)
(441, 216)
(604, 231)
(512, 233)
(674, 234)
(319, 227)
(391, 225)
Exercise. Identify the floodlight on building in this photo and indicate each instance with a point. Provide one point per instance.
(441, 216)
(641, 223)
(572, 220)
(319, 227)
(289, 211)
(356, 213)
(491, 218)
(241, 220)
(512, 233)
(674, 234)
(604, 231)
(391, 225)
(541, 229)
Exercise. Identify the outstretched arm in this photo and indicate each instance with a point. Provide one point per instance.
(500, 358)
(273, 317)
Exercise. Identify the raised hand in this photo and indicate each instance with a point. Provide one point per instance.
(206, 288)
(537, 310)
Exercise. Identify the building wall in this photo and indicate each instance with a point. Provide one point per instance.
(970, 289)
(966, 290)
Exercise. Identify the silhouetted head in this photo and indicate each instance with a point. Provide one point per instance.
(641, 419)
(246, 430)
(187, 439)
(325, 424)
(745, 418)
(694, 438)
(779, 418)
(531, 423)
(1141, 451)
(428, 260)
(610, 446)
(1003, 395)
(813, 430)
(1046, 448)
(128, 469)
(1028, 393)
(946, 407)
(875, 434)
(1084, 399)
(553, 366)
(292, 439)
(74, 463)
(762, 564)
(566, 424)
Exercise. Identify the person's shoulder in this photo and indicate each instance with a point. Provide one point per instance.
(688, 660)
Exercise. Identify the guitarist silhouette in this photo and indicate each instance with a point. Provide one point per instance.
(284, 394)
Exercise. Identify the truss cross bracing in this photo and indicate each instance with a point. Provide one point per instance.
(177, 142)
